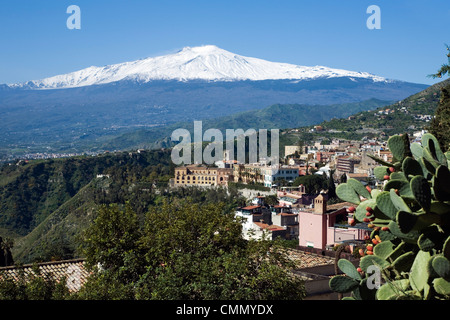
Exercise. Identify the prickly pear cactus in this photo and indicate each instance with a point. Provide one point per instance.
(410, 222)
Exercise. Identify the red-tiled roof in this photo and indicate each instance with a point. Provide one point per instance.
(339, 205)
(251, 207)
(269, 227)
(304, 259)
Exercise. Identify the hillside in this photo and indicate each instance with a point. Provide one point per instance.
(409, 115)
(133, 179)
(370, 118)
(81, 119)
(278, 116)
(55, 236)
(44, 196)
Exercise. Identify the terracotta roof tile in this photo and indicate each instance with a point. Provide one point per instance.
(269, 227)
(304, 259)
(339, 205)
(251, 207)
(73, 270)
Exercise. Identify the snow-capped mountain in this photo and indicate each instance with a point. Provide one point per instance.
(82, 108)
(194, 63)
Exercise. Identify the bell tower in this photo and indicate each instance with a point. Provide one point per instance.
(320, 204)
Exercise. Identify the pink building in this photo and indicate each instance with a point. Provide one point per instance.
(323, 227)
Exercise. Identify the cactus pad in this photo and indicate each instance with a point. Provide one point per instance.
(346, 192)
(343, 284)
(421, 191)
(349, 269)
(442, 266)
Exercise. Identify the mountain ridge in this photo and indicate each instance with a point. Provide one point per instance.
(279, 116)
(409, 115)
(210, 84)
(62, 120)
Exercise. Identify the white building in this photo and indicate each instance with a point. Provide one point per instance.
(272, 176)
(254, 227)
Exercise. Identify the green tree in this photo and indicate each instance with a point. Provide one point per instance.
(6, 258)
(271, 200)
(183, 250)
(445, 68)
(331, 186)
(301, 145)
(313, 183)
(440, 124)
(112, 250)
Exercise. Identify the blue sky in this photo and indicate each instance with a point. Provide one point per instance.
(35, 42)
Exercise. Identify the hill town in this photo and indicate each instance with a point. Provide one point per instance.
(296, 206)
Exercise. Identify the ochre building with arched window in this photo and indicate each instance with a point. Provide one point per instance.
(198, 175)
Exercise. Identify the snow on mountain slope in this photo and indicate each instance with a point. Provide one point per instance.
(193, 63)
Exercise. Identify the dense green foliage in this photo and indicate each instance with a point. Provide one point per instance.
(401, 117)
(313, 183)
(254, 186)
(182, 250)
(29, 192)
(410, 217)
(137, 179)
(44, 204)
(6, 258)
(440, 125)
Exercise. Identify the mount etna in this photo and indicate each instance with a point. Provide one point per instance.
(83, 110)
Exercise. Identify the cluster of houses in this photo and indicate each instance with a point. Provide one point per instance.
(343, 157)
(297, 214)
(348, 158)
(316, 225)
